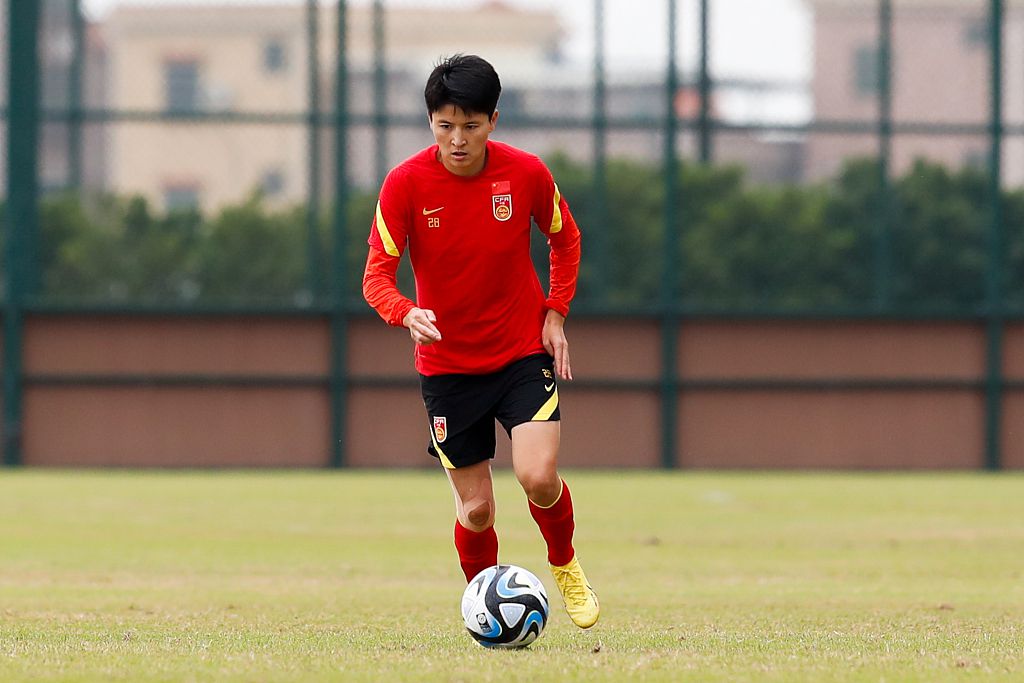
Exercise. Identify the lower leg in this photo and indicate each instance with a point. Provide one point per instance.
(475, 539)
(534, 457)
(477, 550)
(556, 525)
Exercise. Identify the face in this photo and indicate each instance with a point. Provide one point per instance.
(462, 138)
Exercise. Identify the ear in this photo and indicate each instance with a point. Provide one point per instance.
(494, 120)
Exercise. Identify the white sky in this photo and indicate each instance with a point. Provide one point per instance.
(749, 38)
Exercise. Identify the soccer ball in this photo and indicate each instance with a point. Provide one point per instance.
(505, 606)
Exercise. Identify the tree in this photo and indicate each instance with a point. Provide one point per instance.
(791, 248)
(250, 254)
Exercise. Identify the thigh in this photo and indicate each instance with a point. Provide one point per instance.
(471, 484)
(474, 491)
(460, 417)
(530, 393)
(535, 453)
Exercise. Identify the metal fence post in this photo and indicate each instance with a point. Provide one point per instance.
(670, 259)
(704, 88)
(994, 272)
(339, 261)
(598, 214)
(75, 71)
(313, 135)
(380, 93)
(883, 217)
(22, 218)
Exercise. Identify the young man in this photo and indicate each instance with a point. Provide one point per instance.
(488, 344)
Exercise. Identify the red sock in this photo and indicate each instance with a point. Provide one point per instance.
(477, 550)
(556, 526)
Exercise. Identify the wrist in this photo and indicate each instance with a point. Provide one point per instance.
(554, 316)
(556, 306)
(401, 314)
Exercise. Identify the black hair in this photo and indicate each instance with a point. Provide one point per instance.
(467, 82)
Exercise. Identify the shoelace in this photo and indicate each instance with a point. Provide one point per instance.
(575, 590)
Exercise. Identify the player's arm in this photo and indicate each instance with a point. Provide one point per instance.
(388, 237)
(380, 289)
(556, 221)
(555, 343)
(564, 257)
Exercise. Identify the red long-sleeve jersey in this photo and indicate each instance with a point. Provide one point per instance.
(469, 243)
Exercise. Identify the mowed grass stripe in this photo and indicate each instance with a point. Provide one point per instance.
(351, 576)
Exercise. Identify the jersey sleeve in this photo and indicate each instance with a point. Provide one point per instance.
(388, 238)
(551, 212)
(380, 288)
(390, 227)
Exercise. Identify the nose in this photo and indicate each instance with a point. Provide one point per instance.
(458, 139)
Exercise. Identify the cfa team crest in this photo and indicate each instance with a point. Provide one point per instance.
(440, 429)
(502, 206)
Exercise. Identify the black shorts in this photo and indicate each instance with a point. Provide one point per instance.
(461, 409)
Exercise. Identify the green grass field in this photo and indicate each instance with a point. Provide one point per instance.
(323, 576)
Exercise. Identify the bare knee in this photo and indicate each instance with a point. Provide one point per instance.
(479, 514)
(541, 486)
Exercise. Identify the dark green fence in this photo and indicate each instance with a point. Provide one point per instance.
(878, 191)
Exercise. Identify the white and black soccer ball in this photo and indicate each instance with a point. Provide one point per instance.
(505, 606)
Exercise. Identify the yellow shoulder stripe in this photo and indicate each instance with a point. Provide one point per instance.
(547, 409)
(385, 236)
(556, 217)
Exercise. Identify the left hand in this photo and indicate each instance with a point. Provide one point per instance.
(555, 343)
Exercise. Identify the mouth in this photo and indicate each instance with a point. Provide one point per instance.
(459, 156)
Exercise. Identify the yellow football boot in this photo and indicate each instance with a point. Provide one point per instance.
(579, 598)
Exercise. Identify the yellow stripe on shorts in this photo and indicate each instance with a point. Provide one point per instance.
(547, 409)
(444, 458)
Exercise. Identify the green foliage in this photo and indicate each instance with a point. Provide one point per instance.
(1013, 254)
(741, 247)
(250, 253)
(938, 236)
(812, 247)
(115, 249)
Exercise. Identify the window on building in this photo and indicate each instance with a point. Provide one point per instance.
(865, 70)
(976, 32)
(181, 83)
(274, 56)
(181, 197)
(272, 183)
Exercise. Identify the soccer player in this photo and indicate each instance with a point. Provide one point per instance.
(488, 344)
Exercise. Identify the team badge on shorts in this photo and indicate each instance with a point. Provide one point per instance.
(502, 204)
(440, 429)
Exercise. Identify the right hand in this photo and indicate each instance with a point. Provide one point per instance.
(420, 322)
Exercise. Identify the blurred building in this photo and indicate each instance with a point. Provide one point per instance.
(636, 103)
(56, 55)
(233, 61)
(940, 75)
(225, 60)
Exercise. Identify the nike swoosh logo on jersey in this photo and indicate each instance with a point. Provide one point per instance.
(427, 213)
(548, 387)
